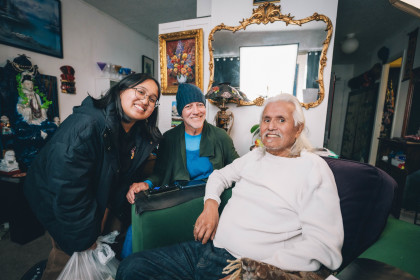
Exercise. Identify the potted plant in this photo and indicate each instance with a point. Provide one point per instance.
(256, 138)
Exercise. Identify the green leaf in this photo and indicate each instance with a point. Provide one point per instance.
(255, 127)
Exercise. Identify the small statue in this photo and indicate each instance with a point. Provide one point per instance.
(57, 121)
(5, 125)
(9, 165)
(29, 105)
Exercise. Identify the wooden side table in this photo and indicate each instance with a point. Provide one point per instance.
(412, 164)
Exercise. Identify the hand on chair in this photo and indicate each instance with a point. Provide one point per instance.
(136, 188)
(206, 225)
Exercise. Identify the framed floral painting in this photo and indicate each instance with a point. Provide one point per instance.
(181, 59)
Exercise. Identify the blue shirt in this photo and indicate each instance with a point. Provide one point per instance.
(198, 167)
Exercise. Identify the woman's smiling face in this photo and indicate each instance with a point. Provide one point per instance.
(134, 107)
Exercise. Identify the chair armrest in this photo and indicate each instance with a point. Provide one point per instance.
(165, 227)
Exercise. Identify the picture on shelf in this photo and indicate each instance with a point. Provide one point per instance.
(176, 118)
(24, 27)
(182, 56)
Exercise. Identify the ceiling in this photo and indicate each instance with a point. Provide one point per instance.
(371, 20)
(144, 16)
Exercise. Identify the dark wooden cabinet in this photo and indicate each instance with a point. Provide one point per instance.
(412, 163)
(358, 125)
(15, 209)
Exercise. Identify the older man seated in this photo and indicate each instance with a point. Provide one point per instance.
(284, 210)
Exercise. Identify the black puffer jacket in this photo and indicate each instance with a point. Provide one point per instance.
(76, 175)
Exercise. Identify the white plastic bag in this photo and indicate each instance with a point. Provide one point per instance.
(97, 264)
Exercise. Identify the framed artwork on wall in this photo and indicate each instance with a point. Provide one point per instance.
(259, 2)
(411, 50)
(26, 28)
(181, 59)
(49, 86)
(148, 66)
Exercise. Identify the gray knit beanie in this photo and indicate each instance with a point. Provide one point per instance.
(186, 94)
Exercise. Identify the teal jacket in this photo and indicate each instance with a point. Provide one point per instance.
(171, 163)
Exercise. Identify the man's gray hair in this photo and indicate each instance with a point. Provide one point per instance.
(302, 141)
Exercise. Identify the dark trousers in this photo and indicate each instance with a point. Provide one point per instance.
(188, 260)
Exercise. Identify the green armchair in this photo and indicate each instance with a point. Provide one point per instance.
(164, 227)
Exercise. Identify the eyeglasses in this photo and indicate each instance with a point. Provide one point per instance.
(141, 94)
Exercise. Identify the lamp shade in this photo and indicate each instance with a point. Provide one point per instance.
(350, 45)
(224, 93)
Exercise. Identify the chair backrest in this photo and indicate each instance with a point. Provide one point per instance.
(366, 195)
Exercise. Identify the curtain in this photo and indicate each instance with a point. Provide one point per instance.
(226, 70)
(313, 67)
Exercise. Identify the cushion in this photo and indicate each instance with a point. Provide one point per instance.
(366, 195)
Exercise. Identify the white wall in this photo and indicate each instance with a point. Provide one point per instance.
(88, 36)
(230, 13)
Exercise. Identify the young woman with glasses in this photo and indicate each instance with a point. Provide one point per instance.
(85, 170)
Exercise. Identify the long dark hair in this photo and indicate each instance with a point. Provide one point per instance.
(148, 126)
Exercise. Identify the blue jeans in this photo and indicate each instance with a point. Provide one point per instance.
(188, 260)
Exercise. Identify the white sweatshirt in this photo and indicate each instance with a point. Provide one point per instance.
(283, 211)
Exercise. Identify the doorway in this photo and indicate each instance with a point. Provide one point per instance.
(385, 112)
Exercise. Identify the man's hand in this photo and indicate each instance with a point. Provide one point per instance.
(206, 224)
(135, 188)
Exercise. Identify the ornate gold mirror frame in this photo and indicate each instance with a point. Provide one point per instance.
(270, 13)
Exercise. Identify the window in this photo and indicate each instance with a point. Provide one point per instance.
(279, 64)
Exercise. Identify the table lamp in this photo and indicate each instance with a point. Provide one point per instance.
(222, 94)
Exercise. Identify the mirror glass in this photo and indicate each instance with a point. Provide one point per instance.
(267, 59)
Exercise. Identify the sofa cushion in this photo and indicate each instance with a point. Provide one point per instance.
(366, 195)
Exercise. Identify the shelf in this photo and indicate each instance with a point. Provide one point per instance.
(412, 164)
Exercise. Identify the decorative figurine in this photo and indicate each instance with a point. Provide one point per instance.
(28, 109)
(8, 165)
(67, 80)
(29, 103)
(5, 125)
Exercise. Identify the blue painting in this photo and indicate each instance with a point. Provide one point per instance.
(33, 25)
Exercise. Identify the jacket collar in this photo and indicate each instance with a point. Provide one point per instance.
(206, 148)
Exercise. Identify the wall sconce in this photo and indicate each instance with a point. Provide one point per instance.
(408, 6)
(221, 95)
(350, 45)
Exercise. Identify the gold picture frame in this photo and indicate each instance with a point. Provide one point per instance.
(181, 59)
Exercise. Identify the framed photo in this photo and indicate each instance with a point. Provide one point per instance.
(409, 61)
(25, 27)
(259, 2)
(48, 85)
(148, 66)
(181, 59)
